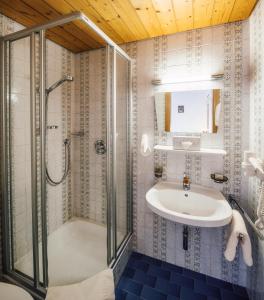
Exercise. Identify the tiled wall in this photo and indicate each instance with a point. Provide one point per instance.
(90, 119)
(256, 274)
(59, 62)
(197, 54)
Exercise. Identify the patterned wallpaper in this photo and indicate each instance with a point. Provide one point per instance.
(195, 53)
(256, 278)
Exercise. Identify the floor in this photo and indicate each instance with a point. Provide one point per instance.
(76, 251)
(147, 278)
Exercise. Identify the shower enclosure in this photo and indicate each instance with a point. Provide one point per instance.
(66, 156)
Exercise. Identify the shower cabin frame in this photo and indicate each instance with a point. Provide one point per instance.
(35, 285)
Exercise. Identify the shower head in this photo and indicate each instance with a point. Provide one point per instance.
(59, 82)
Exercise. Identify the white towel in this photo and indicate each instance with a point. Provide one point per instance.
(238, 227)
(145, 147)
(99, 287)
(260, 211)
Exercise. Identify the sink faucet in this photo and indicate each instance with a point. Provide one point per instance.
(186, 183)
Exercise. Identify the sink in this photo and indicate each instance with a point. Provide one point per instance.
(200, 206)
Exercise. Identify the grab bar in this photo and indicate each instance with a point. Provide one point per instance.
(234, 204)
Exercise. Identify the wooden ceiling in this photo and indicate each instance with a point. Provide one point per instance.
(125, 20)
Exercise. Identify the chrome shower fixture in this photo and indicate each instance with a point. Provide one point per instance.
(59, 82)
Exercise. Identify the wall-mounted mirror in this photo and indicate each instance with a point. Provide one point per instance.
(194, 111)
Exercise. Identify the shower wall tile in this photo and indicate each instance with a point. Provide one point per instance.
(59, 62)
(89, 113)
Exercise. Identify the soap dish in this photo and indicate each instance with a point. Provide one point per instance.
(219, 178)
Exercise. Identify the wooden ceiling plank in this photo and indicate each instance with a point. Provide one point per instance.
(128, 13)
(63, 8)
(21, 8)
(50, 13)
(203, 10)
(222, 11)
(90, 12)
(26, 21)
(148, 16)
(104, 8)
(184, 14)
(124, 20)
(242, 10)
(46, 13)
(166, 15)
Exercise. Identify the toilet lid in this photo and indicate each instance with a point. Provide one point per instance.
(11, 292)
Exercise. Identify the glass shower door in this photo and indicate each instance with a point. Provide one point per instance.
(22, 154)
(119, 159)
(122, 151)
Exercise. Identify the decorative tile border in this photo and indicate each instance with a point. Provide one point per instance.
(84, 143)
(66, 133)
(131, 49)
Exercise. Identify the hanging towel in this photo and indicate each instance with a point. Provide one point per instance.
(260, 211)
(145, 147)
(238, 227)
(99, 287)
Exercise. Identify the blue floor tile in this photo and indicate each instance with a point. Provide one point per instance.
(194, 275)
(228, 295)
(187, 294)
(239, 290)
(132, 297)
(149, 293)
(129, 285)
(182, 280)
(202, 288)
(143, 278)
(151, 261)
(171, 267)
(147, 278)
(138, 264)
(120, 294)
(158, 272)
(167, 288)
(137, 255)
(129, 272)
(219, 283)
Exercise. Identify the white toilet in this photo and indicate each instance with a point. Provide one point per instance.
(13, 292)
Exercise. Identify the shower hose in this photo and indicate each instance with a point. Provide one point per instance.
(67, 155)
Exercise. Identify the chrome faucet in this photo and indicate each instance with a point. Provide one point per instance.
(186, 183)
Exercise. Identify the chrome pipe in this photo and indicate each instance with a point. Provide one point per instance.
(4, 160)
(9, 154)
(34, 198)
(114, 151)
(109, 154)
(42, 99)
(130, 150)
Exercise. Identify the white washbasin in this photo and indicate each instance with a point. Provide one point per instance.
(200, 206)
